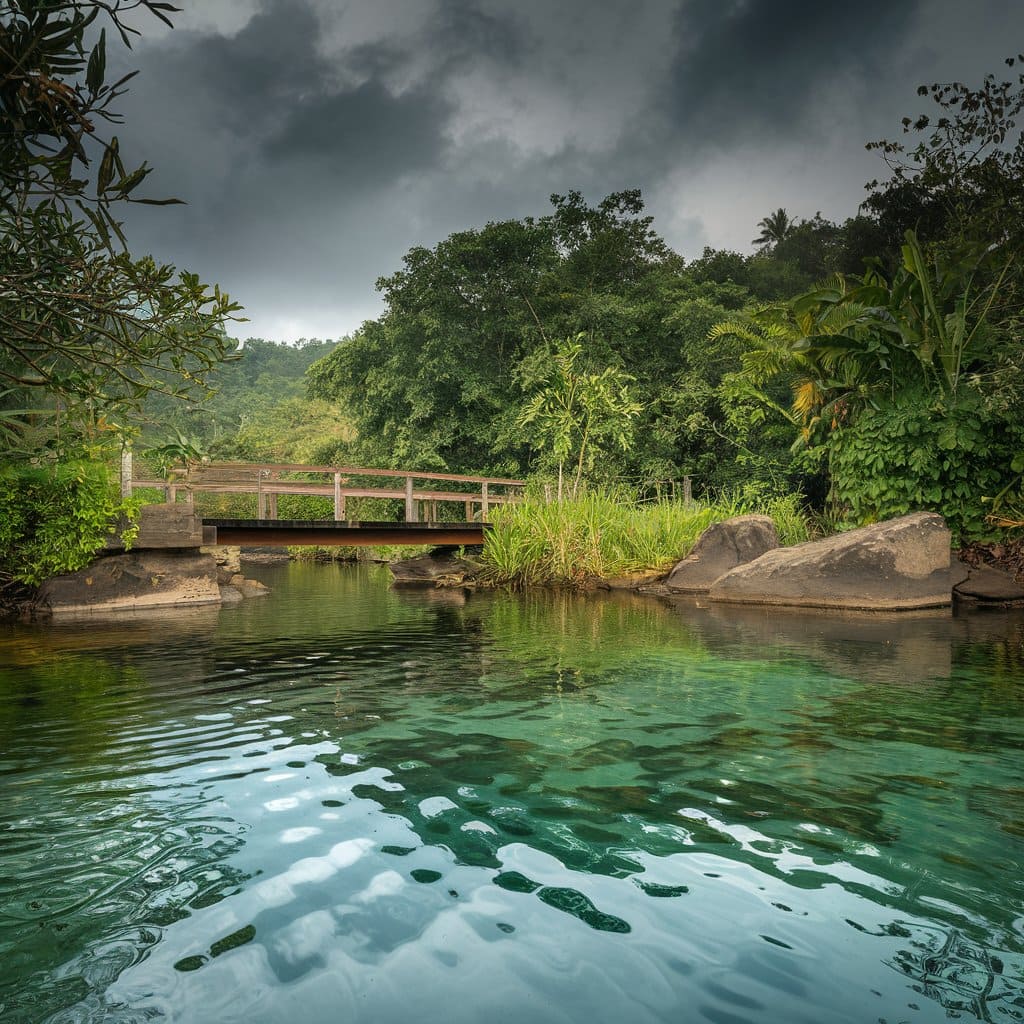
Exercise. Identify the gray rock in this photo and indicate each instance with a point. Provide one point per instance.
(959, 570)
(721, 547)
(441, 567)
(230, 595)
(899, 564)
(986, 584)
(137, 579)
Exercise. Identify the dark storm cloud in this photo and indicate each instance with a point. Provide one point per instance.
(460, 30)
(315, 142)
(362, 137)
(743, 66)
(270, 87)
(271, 62)
(285, 154)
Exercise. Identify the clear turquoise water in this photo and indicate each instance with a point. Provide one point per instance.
(346, 803)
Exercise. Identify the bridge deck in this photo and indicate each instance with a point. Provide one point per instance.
(326, 533)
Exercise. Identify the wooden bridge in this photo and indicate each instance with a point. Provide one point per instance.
(424, 495)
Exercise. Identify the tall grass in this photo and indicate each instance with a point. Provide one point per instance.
(601, 535)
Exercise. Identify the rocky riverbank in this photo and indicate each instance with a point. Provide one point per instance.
(167, 566)
(899, 565)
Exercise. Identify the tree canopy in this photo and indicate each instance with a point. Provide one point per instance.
(471, 333)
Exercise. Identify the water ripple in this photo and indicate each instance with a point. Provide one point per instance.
(347, 801)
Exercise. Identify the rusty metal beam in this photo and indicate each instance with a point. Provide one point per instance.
(288, 532)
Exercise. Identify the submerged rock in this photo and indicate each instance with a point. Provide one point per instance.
(264, 555)
(248, 588)
(898, 564)
(721, 547)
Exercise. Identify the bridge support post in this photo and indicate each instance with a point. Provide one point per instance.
(483, 502)
(272, 496)
(339, 499)
(126, 471)
(410, 503)
(687, 491)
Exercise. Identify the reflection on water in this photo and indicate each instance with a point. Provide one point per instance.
(346, 802)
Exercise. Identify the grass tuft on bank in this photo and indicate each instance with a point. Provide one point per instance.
(602, 536)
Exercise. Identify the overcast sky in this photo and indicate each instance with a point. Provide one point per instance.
(316, 141)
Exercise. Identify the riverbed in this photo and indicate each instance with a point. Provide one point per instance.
(346, 802)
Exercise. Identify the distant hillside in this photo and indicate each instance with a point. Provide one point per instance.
(259, 409)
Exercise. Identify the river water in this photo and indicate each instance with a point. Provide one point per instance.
(351, 803)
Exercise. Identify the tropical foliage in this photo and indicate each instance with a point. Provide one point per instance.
(580, 414)
(775, 228)
(963, 178)
(907, 386)
(87, 331)
(259, 411)
(446, 378)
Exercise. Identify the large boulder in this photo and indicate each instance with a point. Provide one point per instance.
(902, 563)
(138, 579)
(721, 547)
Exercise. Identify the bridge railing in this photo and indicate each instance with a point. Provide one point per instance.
(419, 491)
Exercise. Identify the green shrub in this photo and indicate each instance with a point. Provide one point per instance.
(936, 457)
(55, 518)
